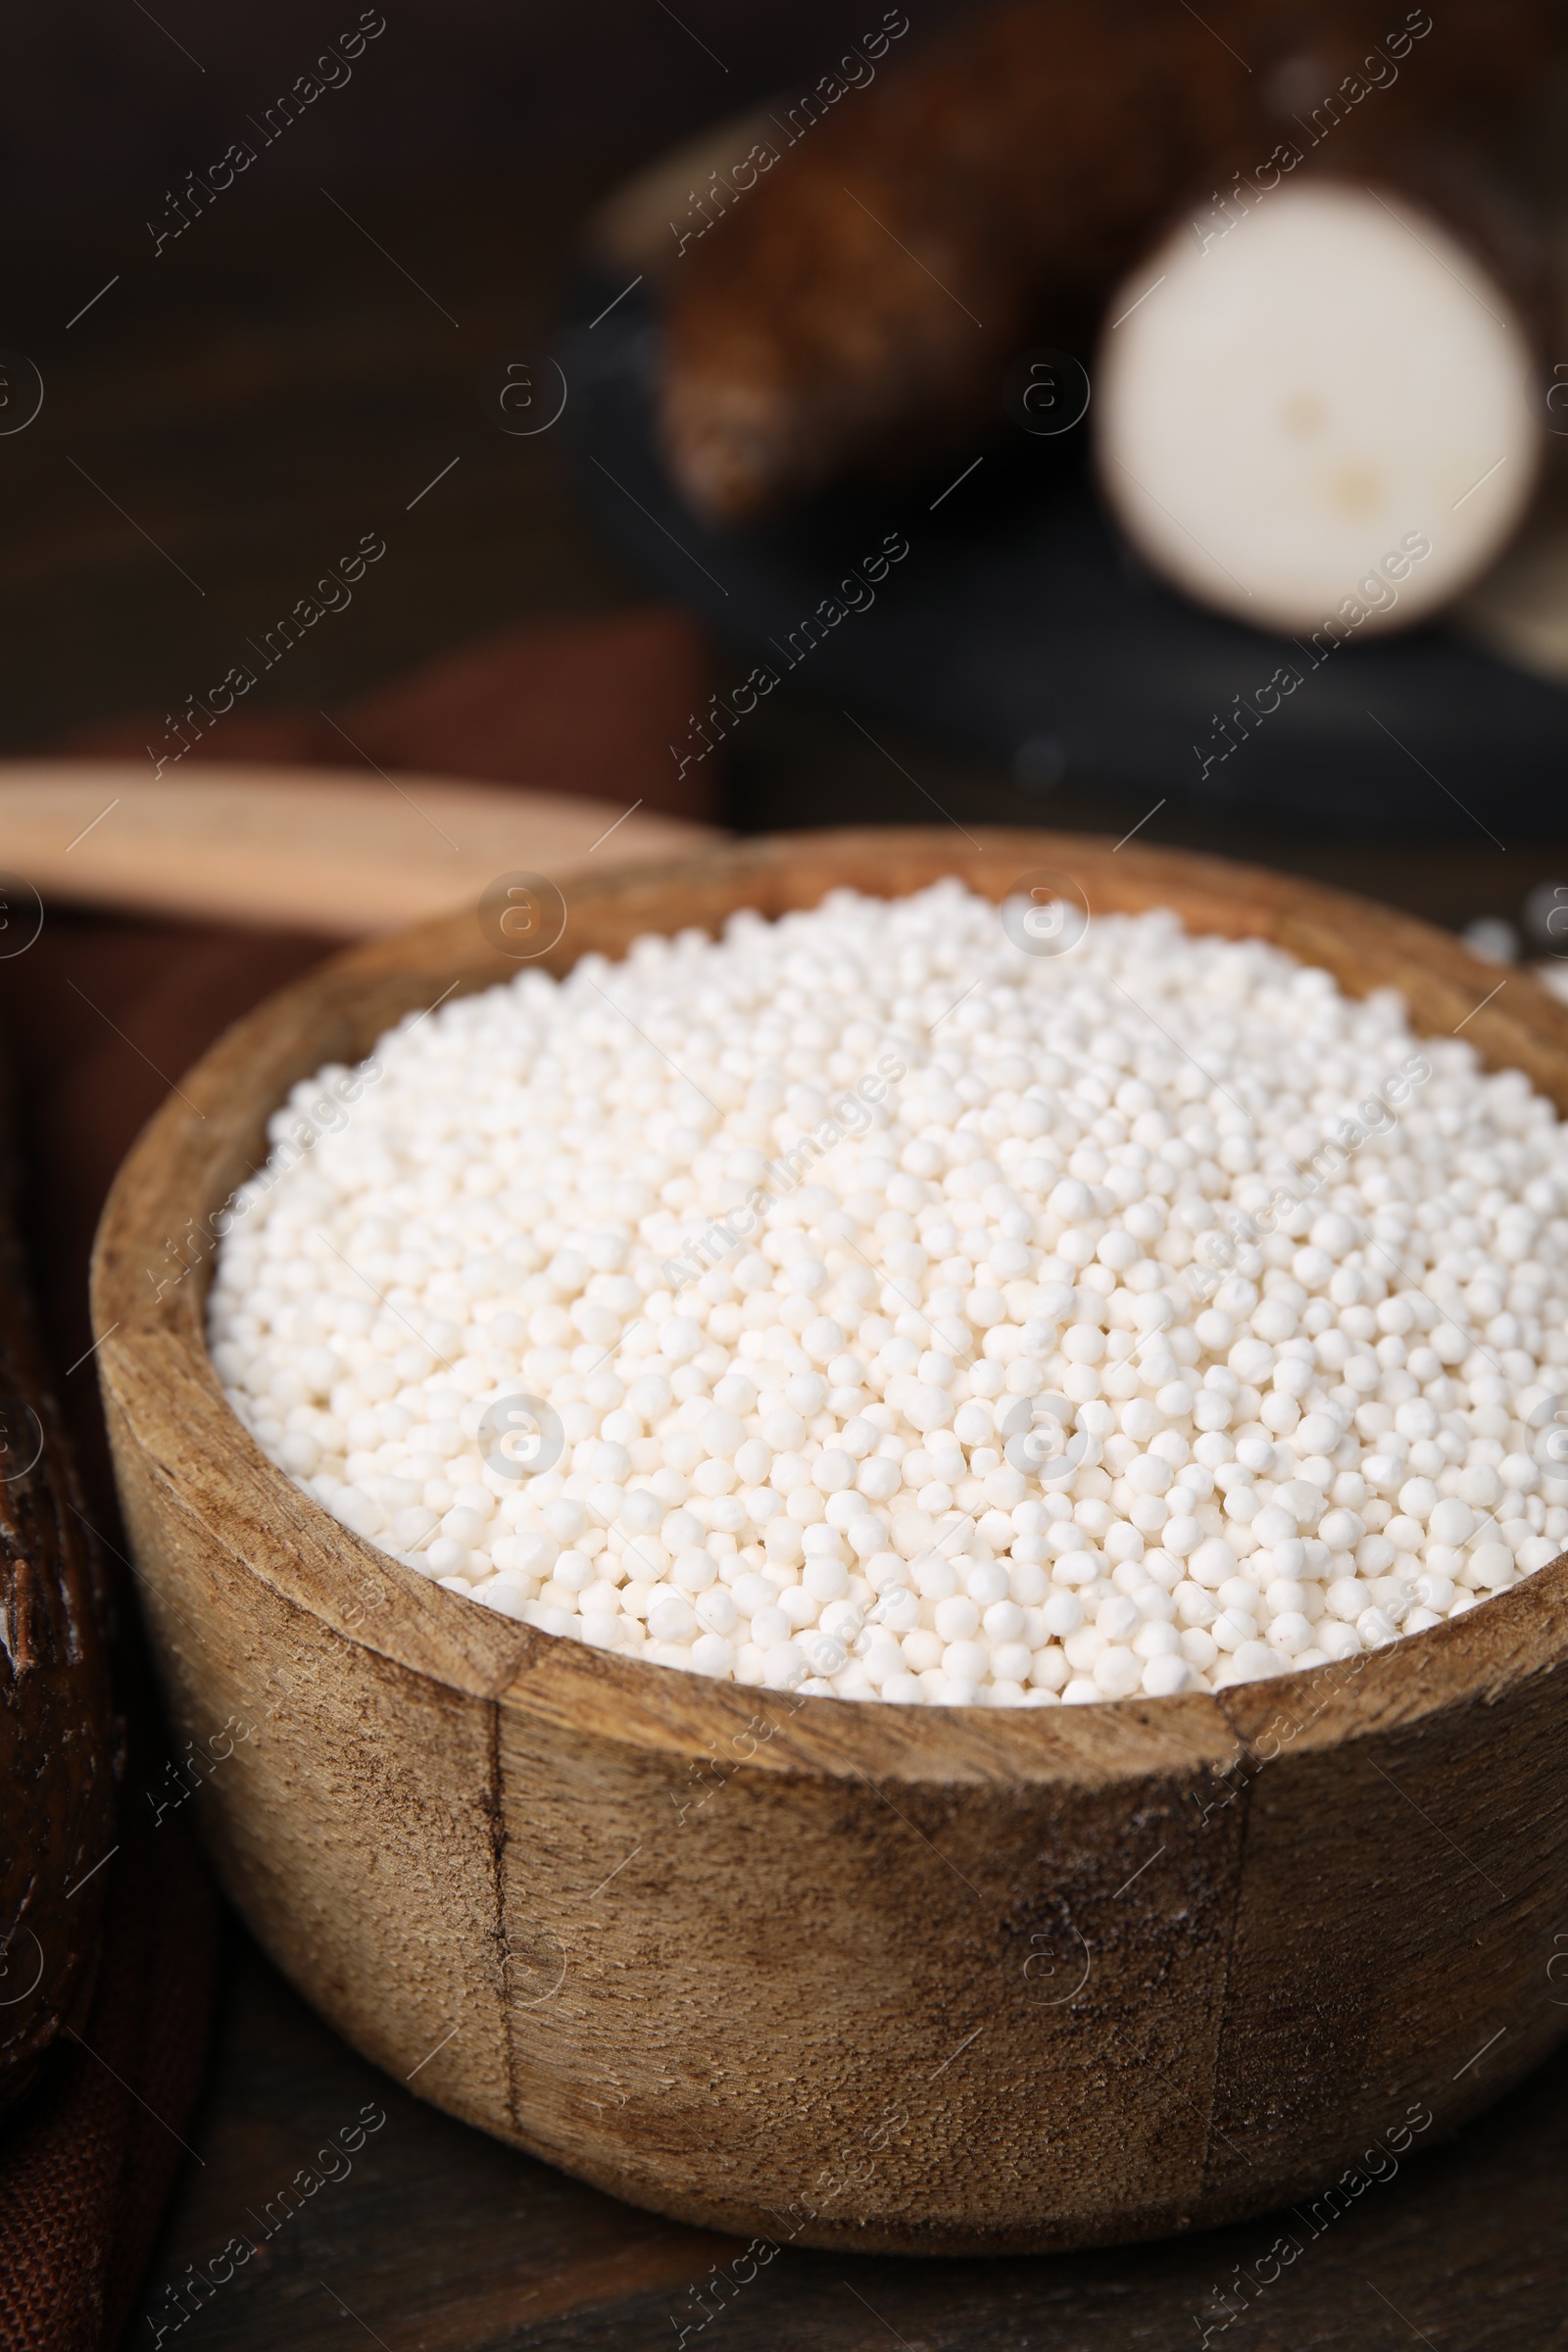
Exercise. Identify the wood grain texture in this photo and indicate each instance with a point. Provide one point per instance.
(933, 1981)
(307, 846)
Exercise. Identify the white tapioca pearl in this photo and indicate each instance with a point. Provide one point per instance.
(671, 1616)
(1118, 1618)
(1233, 1628)
(834, 1470)
(824, 1577)
(1251, 1662)
(800, 1606)
(1075, 1568)
(1450, 1520)
(785, 1666)
(1153, 1640)
(1212, 1562)
(1491, 1566)
(956, 1618)
(1118, 1672)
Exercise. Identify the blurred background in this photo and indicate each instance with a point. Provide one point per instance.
(282, 378)
(238, 384)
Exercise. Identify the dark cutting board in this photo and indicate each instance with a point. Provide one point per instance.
(1019, 625)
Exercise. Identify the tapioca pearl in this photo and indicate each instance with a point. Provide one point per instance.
(1346, 1598)
(1118, 1671)
(1233, 1628)
(784, 1666)
(769, 1627)
(510, 1598)
(713, 1654)
(801, 1607)
(843, 1621)
(565, 1519)
(693, 1571)
(883, 1660)
(1289, 1633)
(956, 1618)
(922, 1649)
(572, 1572)
(1273, 1524)
(986, 1582)
(1418, 1499)
(1376, 1554)
(1118, 1618)
(1154, 1639)
(1489, 1567)
(1213, 1561)
(1199, 1648)
(824, 1576)
(1076, 1567)
(967, 1661)
(1084, 1647)
(834, 1470)
(1050, 1670)
(1062, 1612)
(1252, 1661)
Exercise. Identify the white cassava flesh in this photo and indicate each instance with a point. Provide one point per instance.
(1291, 409)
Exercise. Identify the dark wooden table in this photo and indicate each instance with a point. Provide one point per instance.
(437, 2239)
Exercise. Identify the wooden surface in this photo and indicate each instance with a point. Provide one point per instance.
(788, 1999)
(304, 847)
(441, 2241)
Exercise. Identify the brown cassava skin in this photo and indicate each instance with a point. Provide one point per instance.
(859, 304)
(56, 1776)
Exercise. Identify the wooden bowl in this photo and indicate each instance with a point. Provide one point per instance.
(910, 1980)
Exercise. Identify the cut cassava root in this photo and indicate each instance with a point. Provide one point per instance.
(856, 304)
(1328, 406)
(866, 296)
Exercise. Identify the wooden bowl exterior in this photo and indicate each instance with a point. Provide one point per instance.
(947, 1981)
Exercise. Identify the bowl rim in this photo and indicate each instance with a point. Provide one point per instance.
(163, 1395)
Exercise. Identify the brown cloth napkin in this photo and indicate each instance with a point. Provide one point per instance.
(99, 1017)
(88, 2161)
(589, 706)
